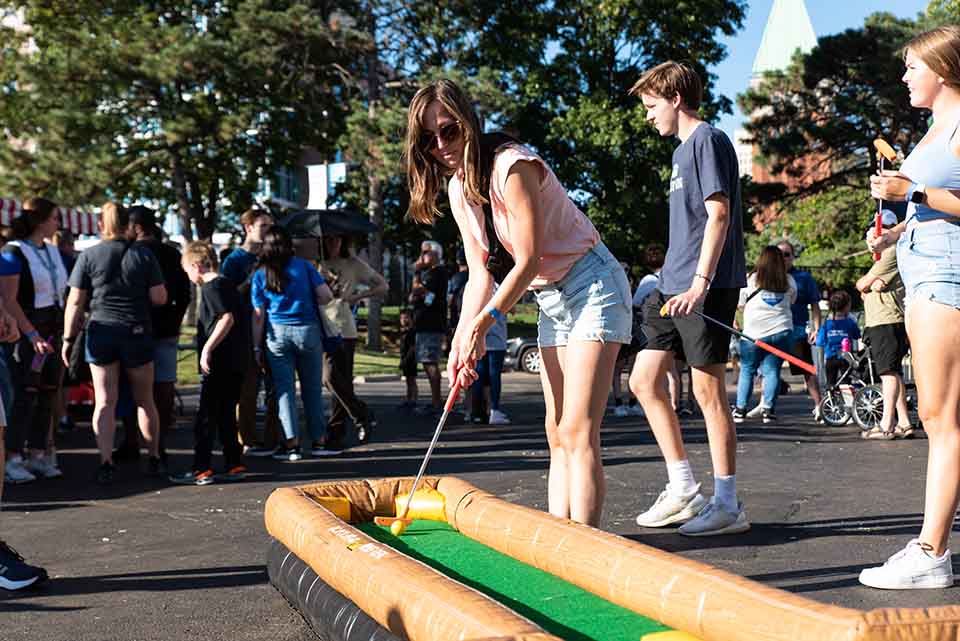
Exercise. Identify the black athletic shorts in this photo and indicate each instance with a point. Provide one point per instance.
(888, 346)
(692, 338)
(803, 351)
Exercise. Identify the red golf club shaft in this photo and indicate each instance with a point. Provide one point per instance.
(878, 222)
(790, 358)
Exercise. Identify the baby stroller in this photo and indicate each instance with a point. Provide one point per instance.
(856, 394)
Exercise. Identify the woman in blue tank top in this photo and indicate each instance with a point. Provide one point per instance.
(928, 255)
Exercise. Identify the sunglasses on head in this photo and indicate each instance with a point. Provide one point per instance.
(447, 133)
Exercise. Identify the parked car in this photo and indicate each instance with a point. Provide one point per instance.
(522, 355)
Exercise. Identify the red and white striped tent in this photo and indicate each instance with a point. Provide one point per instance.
(78, 221)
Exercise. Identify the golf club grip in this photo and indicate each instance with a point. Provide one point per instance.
(790, 358)
(878, 229)
(454, 393)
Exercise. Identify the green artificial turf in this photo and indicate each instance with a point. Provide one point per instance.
(558, 607)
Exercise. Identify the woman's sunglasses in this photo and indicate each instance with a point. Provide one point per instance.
(447, 133)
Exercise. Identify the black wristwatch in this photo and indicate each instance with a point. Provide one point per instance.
(919, 194)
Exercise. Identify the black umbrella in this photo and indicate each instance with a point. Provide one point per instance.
(314, 223)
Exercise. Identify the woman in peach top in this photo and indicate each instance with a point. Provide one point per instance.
(544, 243)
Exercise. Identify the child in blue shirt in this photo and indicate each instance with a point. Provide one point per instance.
(832, 332)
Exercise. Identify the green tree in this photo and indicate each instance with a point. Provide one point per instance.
(189, 103)
(814, 127)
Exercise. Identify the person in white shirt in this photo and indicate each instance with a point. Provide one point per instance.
(765, 302)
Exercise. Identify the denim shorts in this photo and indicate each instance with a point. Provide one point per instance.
(928, 256)
(592, 302)
(130, 345)
(165, 360)
(428, 346)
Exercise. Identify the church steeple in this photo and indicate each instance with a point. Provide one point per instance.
(788, 29)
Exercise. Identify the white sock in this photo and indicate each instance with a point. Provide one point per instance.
(725, 492)
(681, 478)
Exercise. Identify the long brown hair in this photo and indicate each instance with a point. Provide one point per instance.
(275, 254)
(772, 270)
(424, 173)
(940, 50)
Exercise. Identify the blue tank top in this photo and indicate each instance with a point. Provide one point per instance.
(933, 165)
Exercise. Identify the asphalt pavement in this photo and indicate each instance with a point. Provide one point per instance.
(147, 560)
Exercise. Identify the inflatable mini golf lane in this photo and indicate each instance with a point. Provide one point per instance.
(475, 567)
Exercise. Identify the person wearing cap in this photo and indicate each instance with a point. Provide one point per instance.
(886, 333)
(166, 320)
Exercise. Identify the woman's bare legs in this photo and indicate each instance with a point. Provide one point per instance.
(934, 331)
(106, 379)
(141, 388)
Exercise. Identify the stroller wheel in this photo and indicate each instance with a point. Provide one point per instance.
(833, 409)
(868, 407)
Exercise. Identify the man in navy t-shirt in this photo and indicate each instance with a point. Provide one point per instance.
(703, 271)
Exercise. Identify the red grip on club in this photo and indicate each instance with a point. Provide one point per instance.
(790, 358)
(878, 229)
(454, 393)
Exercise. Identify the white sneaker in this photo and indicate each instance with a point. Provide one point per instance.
(42, 467)
(756, 411)
(635, 410)
(911, 568)
(620, 411)
(714, 520)
(669, 509)
(498, 418)
(15, 472)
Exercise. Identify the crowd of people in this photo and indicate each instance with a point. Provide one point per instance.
(269, 316)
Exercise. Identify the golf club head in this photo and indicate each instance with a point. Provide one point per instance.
(884, 149)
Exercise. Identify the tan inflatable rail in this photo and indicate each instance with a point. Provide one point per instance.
(409, 598)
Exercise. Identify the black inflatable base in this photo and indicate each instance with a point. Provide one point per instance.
(331, 615)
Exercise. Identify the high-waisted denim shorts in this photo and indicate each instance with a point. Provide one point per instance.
(928, 256)
(591, 303)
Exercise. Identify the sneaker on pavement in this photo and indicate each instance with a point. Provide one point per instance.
(620, 411)
(105, 473)
(738, 415)
(235, 473)
(328, 448)
(769, 416)
(287, 454)
(498, 418)
(365, 429)
(204, 477)
(42, 467)
(258, 451)
(15, 573)
(16, 472)
(911, 568)
(669, 509)
(756, 412)
(714, 520)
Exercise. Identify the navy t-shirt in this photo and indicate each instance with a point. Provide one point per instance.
(703, 165)
(833, 331)
(807, 294)
(296, 304)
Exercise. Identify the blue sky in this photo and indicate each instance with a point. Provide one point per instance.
(827, 16)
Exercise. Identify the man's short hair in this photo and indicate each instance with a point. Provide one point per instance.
(669, 79)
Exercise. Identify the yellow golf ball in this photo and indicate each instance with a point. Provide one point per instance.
(397, 528)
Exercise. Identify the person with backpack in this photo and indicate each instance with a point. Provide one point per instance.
(520, 229)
